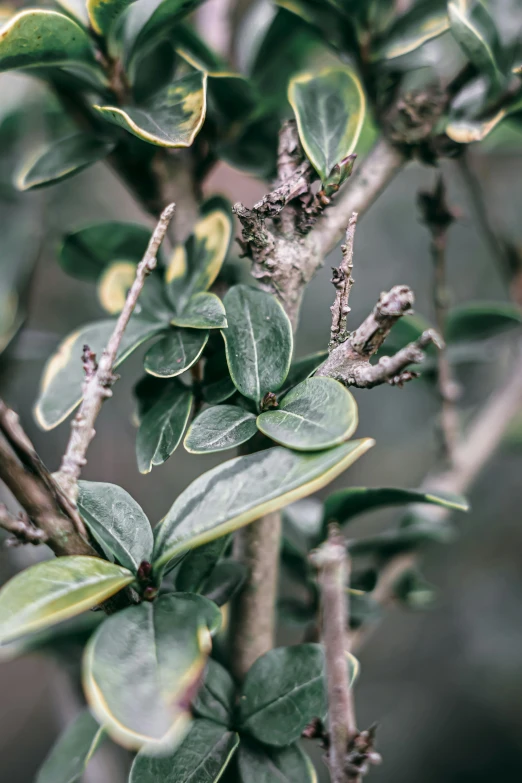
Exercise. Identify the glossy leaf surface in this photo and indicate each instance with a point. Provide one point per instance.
(162, 426)
(475, 32)
(72, 752)
(422, 23)
(178, 350)
(203, 311)
(104, 13)
(63, 159)
(219, 428)
(151, 20)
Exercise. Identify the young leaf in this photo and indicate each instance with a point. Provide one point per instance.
(63, 376)
(54, 590)
(178, 350)
(225, 580)
(258, 341)
(219, 428)
(63, 159)
(215, 698)
(86, 252)
(345, 504)
(35, 39)
(162, 426)
(474, 30)
(172, 119)
(196, 264)
(262, 764)
(69, 757)
(202, 757)
(420, 24)
(104, 13)
(243, 489)
(203, 311)
(283, 691)
(480, 320)
(316, 414)
(198, 564)
(117, 522)
(330, 109)
(141, 668)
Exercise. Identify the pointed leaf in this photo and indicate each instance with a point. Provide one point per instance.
(202, 757)
(141, 669)
(480, 320)
(330, 109)
(198, 564)
(203, 311)
(243, 489)
(283, 691)
(34, 39)
(162, 426)
(85, 253)
(345, 504)
(63, 159)
(216, 697)
(258, 341)
(151, 20)
(316, 414)
(63, 376)
(195, 265)
(474, 30)
(262, 764)
(225, 580)
(178, 350)
(69, 757)
(117, 522)
(104, 13)
(420, 24)
(54, 590)
(173, 118)
(219, 428)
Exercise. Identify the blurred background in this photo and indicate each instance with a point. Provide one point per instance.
(445, 684)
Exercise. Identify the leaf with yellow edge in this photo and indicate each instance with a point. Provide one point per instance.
(63, 376)
(36, 39)
(330, 108)
(55, 590)
(142, 667)
(114, 285)
(173, 117)
(416, 27)
(474, 30)
(243, 489)
(466, 131)
(104, 13)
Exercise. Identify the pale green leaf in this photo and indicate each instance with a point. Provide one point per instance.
(219, 428)
(54, 590)
(263, 764)
(63, 159)
(178, 350)
(162, 426)
(69, 757)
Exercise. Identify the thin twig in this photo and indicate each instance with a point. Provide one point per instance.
(21, 528)
(343, 282)
(100, 378)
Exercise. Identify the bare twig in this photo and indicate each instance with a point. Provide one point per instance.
(21, 528)
(343, 282)
(100, 378)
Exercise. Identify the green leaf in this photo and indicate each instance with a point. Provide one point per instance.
(219, 428)
(104, 13)
(86, 252)
(475, 32)
(63, 376)
(203, 311)
(117, 522)
(345, 504)
(225, 580)
(205, 608)
(393, 542)
(151, 20)
(178, 350)
(141, 669)
(162, 426)
(301, 369)
(198, 564)
(35, 39)
(243, 489)
(283, 691)
(261, 764)
(480, 320)
(63, 159)
(217, 385)
(258, 341)
(172, 118)
(316, 414)
(420, 24)
(202, 757)
(69, 757)
(468, 130)
(329, 109)
(54, 590)
(195, 265)
(215, 699)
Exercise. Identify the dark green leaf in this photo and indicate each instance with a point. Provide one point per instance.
(69, 757)
(317, 414)
(415, 591)
(203, 311)
(63, 159)
(224, 582)
(104, 13)
(54, 590)
(217, 385)
(162, 426)
(301, 369)
(330, 109)
(474, 30)
(258, 341)
(151, 20)
(216, 697)
(202, 757)
(258, 764)
(407, 539)
(198, 565)
(117, 522)
(178, 350)
(219, 428)
(243, 489)
(480, 320)
(423, 22)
